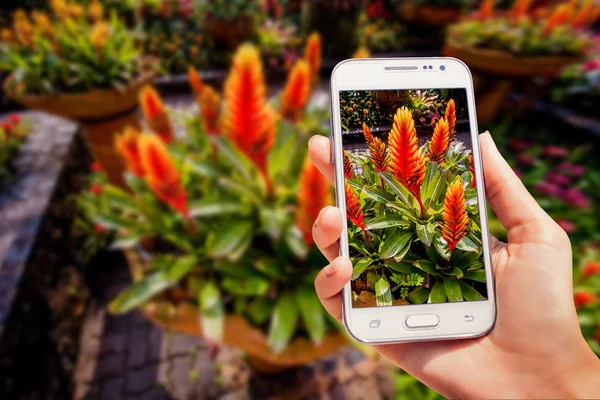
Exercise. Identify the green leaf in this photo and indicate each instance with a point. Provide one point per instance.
(230, 241)
(236, 159)
(361, 247)
(427, 266)
(295, 241)
(462, 259)
(404, 267)
(403, 194)
(469, 292)
(139, 292)
(382, 292)
(452, 288)
(126, 242)
(386, 221)
(378, 194)
(114, 222)
(456, 272)
(211, 311)
(259, 310)
(397, 245)
(252, 286)
(476, 275)
(312, 313)
(467, 244)
(434, 185)
(361, 266)
(212, 209)
(270, 267)
(441, 247)
(179, 268)
(418, 296)
(438, 293)
(273, 221)
(426, 233)
(283, 322)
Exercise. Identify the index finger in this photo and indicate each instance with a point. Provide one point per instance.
(319, 151)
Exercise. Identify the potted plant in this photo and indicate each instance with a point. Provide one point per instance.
(13, 131)
(77, 64)
(578, 86)
(217, 225)
(437, 13)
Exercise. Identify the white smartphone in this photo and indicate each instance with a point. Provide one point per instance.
(409, 179)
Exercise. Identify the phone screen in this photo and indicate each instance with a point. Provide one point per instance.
(414, 228)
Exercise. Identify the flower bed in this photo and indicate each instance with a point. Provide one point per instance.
(12, 133)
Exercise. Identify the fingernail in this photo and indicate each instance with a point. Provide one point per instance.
(321, 214)
(312, 138)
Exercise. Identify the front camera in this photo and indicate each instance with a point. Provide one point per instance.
(442, 67)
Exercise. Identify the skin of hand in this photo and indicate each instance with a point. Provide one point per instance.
(536, 349)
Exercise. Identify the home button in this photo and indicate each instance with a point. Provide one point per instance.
(422, 321)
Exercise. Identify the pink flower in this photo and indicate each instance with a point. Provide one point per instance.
(591, 65)
(558, 179)
(526, 159)
(518, 145)
(518, 173)
(576, 198)
(568, 226)
(548, 188)
(555, 151)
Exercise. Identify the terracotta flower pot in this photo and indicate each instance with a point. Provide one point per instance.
(185, 318)
(428, 15)
(103, 114)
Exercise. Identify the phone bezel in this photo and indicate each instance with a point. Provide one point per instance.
(457, 320)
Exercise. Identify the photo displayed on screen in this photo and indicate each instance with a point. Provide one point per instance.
(411, 199)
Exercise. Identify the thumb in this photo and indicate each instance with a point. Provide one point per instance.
(513, 204)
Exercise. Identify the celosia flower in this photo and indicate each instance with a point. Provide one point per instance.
(591, 268)
(583, 298)
(566, 225)
(314, 195)
(160, 173)
(407, 161)
(378, 150)
(155, 114)
(128, 146)
(312, 54)
(195, 81)
(362, 52)
(438, 145)
(486, 10)
(455, 219)
(561, 15)
(472, 170)
(450, 117)
(250, 122)
(296, 92)
(353, 211)
(520, 8)
(209, 102)
(348, 170)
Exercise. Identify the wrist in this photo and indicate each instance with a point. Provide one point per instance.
(579, 378)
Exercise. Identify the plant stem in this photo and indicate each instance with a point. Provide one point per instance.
(368, 239)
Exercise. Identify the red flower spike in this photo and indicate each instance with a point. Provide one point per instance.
(209, 103)
(195, 81)
(161, 175)
(455, 219)
(407, 161)
(486, 10)
(472, 170)
(591, 268)
(520, 8)
(587, 15)
(438, 145)
(312, 54)
(450, 117)
(348, 170)
(582, 298)
(378, 150)
(96, 189)
(128, 146)
(296, 92)
(353, 211)
(99, 228)
(249, 122)
(155, 114)
(96, 166)
(561, 15)
(313, 196)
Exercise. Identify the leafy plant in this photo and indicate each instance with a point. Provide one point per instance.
(522, 32)
(229, 9)
(578, 86)
(225, 213)
(586, 276)
(12, 133)
(278, 43)
(413, 217)
(73, 49)
(358, 107)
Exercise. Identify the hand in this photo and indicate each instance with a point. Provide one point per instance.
(536, 348)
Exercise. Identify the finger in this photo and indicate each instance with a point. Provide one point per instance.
(319, 151)
(329, 284)
(510, 200)
(327, 230)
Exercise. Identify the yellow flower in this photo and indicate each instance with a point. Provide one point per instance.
(42, 22)
(7, 35)
(99, 35)
(95, 11)
(76, 11)
(60, 8)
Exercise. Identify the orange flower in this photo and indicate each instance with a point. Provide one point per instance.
(362, 52)
(561, 15)
(450, 117)
(472, 170)
(520, 8)
(155, 114)
(591, 268)
(209, 102)
(42, 22)
(95, 10)
(296, 92)
(99, 35)
(587, 14)
(161, 175)
(314, 195)
(128, 146)
(378, 150)
(195, 81)
(407, 161)
(486, 10)
(438, 145)
(455, 219)
(312, 54)
(348, 170)
(582, 298)
(249, 122)
(353, 211)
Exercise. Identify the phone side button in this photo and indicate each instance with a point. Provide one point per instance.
(422, 321)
